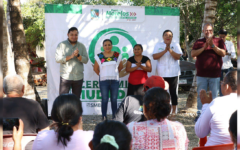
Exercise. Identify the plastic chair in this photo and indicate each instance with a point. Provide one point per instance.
(203, 141)
(8, 142)
(216, 147)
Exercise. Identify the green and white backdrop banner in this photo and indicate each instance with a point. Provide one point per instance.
(124, 25)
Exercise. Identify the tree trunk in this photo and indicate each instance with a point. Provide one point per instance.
(188, 49)
(209, 12)
(8, 58)
(191, 104)
(185, 16)
(1, 52)
(9, 25)
(21, 58)
(209, 17)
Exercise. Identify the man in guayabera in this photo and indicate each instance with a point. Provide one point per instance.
(71, 55)
(209, 52)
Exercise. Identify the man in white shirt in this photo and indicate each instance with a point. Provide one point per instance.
(216, 113)
(231, 54)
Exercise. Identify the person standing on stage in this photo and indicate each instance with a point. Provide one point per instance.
(138, 66)
(167, 55)
(209, 52)
(107, 65)
(230, 54)
(71, 55)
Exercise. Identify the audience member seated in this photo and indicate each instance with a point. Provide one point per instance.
(130, 108)
(214, 119)
(15, 106)
(67, 119)
(111, 135)
(157, 132)
(233, 128)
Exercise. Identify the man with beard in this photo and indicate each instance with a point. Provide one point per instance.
(71, 55)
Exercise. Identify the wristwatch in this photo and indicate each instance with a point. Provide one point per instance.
(213, 46)
(78, 55)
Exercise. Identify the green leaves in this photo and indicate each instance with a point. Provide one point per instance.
(226, 17)
(191, 15)
(33, 22)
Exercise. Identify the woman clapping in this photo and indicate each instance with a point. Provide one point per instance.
(138, 66)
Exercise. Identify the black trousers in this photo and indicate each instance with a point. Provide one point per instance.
(135, 89)
(173, 82)
(65, 86)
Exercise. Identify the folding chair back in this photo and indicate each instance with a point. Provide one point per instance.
(216, 147)
(203, 141)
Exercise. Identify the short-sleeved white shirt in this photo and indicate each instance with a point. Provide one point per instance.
(227, 59)
(167, 66)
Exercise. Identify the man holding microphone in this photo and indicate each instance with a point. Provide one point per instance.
(71, 55)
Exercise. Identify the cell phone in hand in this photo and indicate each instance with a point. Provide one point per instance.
(9, 123)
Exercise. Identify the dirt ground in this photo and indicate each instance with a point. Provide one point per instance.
(90, 121)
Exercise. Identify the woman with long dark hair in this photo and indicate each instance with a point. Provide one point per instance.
(67, 120)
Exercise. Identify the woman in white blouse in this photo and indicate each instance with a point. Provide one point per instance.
(107, 65)
(167, 55)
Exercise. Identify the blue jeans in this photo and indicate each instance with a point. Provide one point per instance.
(105, 87)
(224, 71)
(204, 83)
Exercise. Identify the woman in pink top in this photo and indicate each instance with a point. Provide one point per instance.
(68, 134)
(157, 133)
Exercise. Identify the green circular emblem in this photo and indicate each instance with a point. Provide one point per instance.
(115, 40)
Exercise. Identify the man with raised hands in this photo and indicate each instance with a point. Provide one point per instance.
(209, 52)
(71, 55)
(216, 113)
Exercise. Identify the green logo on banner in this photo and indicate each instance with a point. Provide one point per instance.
(115, 41)
(119, 14)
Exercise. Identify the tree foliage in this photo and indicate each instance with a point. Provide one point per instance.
(226, 16)
(34, 17)
(86, 2)
(33, 22)
(191, 16)
(238, 19)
